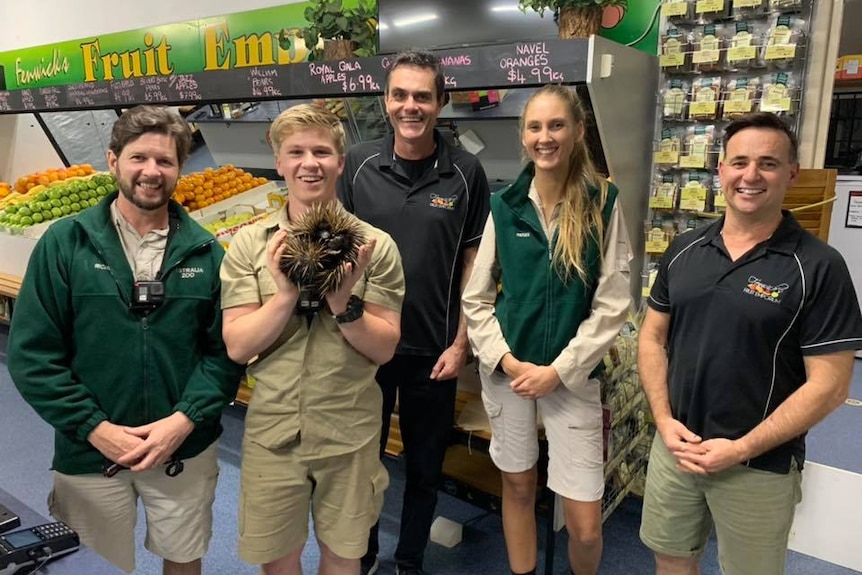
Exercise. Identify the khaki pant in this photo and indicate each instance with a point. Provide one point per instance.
(280, 486)
(752, 511)
(104, 510)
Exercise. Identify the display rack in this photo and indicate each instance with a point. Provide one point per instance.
(719, 59)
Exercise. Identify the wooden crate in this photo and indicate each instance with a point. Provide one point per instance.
(811, 200)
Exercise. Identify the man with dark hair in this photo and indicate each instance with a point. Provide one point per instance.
(116, 343)
(747, 343)
(433, 199)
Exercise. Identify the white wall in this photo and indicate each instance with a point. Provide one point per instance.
(24, 149)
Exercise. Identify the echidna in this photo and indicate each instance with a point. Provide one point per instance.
(317, 246)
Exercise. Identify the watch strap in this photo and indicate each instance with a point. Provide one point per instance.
(355, 308)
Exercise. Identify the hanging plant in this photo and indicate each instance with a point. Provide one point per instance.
(354, 27)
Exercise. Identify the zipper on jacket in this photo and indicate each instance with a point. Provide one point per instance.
(145, 327)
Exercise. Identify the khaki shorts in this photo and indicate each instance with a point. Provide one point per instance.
(752, 511)
(104, 510)
(280, 486)
(573, 427)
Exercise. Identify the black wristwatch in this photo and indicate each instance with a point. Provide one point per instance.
(355, 307)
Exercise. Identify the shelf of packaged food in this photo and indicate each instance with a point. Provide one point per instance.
(618, 457)
(627, 408)
(612, 502)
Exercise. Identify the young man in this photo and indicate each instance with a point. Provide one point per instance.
(116, 342)
(434, 200)
(747, 343)
(313, 424)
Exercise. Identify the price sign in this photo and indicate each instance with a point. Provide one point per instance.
(263, 82)
(672, 60)
(747, 3)
(703, 56)
(775, 105)
(741, 53)
(661, 203)
(780, 52)
(674, 9)
(702, 109)
(707, 6)
(656, 247)
(691, 204)
(693, 191)
(666, 157)
(694, 162)
(186, 87)
(737, 106)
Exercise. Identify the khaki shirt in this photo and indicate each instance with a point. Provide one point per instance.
(144, 253)
(611, 302)
(311, 381)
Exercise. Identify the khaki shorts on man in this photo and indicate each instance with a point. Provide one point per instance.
(344, 494)
(103, 510)
(752, 511)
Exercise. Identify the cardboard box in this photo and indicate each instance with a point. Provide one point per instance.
(849, 67)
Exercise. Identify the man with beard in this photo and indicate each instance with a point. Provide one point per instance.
(433, 199)
(116, 343)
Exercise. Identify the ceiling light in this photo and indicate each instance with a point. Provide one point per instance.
(410, 21)
(505, 8)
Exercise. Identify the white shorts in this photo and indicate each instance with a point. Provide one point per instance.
(573, 427)
(103, 510)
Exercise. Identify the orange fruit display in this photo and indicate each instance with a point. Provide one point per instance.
(201, 189)
(25, 183)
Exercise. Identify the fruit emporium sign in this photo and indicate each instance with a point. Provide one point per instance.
(159, 64)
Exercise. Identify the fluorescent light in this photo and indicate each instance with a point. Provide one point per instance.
(418, 19)
(382, 26)
(505, 8)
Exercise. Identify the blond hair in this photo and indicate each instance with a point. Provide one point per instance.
(304, 116)
(580, 218)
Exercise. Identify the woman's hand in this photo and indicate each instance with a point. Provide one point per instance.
(536, 382)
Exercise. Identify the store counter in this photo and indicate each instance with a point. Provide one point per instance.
(84, 560)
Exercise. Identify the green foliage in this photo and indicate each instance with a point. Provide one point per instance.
(327, 19)
(554, 5)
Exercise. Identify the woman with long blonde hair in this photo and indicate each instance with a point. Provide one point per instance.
(548, 294)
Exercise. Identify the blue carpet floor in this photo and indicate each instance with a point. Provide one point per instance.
(25, 458)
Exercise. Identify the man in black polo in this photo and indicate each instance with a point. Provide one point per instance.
(747, 343)
(433, 199)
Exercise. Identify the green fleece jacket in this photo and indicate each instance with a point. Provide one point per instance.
(538, 312)
(79, 356)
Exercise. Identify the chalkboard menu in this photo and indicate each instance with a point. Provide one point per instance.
(522, 64)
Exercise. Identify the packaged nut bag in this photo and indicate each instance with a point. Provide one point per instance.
(708, 45)
(745, 45)
(740, 97)
(675, 51)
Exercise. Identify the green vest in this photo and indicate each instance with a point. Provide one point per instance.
(538, 313)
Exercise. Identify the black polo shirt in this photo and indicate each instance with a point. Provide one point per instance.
(432, 220)
(739, 329)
